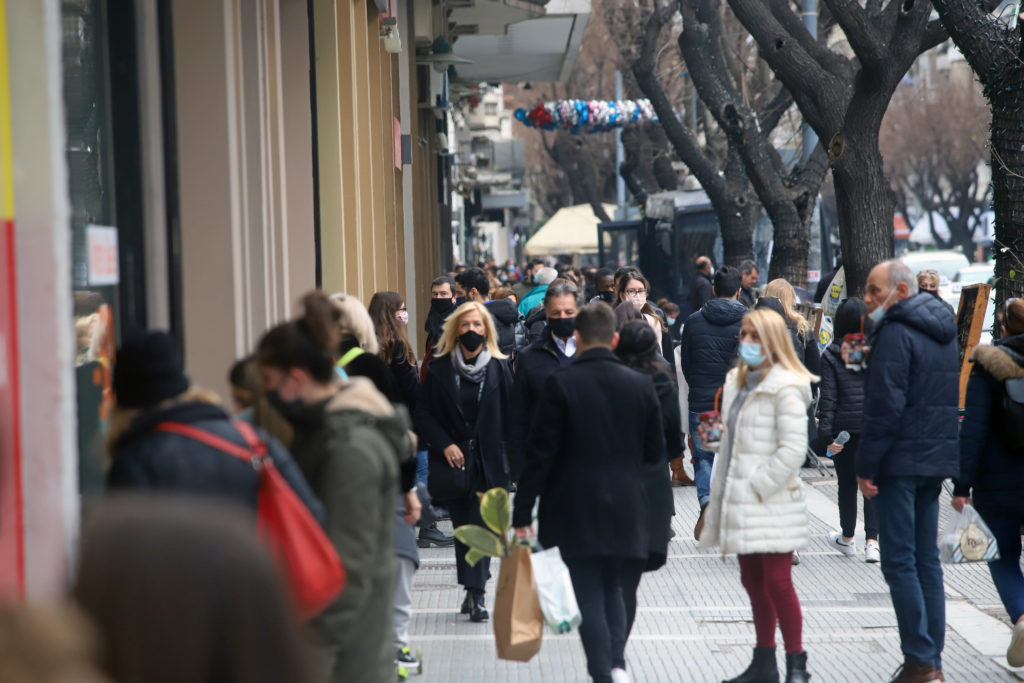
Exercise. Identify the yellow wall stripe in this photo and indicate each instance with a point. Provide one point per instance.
(6, 156)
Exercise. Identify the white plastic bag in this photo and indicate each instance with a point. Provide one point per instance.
(554, 588)
(967, 539)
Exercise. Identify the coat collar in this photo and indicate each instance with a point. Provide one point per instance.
(776, 379)
(598, 354)
(1000, 364)
(444, 370)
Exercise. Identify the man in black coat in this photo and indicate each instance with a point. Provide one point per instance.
(555, 348)
(910, 444)
(474, 286)
(748, 271)
(597, 428)
(701, 290)
(710, 339)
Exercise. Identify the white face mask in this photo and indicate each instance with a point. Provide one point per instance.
(403, 317)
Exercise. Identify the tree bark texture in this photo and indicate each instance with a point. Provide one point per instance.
(994, 52)
(787, 198)
(728, 188)
(844, 100)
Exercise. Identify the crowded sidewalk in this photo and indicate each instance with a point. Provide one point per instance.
(694, 625)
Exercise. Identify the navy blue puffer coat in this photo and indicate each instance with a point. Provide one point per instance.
(710, 338)
(841, 407)
(911, 421)
(994, 476)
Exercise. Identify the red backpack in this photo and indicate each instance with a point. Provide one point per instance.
(306, 556)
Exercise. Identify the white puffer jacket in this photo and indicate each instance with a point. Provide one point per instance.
(757, 499)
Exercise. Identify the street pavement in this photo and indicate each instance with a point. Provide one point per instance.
(694, 623)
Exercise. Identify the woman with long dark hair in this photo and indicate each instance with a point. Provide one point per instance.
(462, 412)
(638, 349)
(351, 445)
(391, 322)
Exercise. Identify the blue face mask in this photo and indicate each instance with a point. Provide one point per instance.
(751, 354)
(876, 315)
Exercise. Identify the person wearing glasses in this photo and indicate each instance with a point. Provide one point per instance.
(633, 289)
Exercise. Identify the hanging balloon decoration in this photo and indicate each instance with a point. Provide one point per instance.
(587, 116)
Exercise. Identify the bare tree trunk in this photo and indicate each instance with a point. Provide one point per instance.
(1008, 182)
(865, 209)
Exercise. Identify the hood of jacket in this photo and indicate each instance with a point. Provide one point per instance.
(359, 395)
(925, 314)
(724, 312)
(504, 311)
(1004, 359)
(836, 350)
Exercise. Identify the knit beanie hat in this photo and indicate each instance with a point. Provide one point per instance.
(148, 370)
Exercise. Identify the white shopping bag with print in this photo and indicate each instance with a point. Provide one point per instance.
(554, 588)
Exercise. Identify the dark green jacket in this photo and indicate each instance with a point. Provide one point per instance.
(350, 448)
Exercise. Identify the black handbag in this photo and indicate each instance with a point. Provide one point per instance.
(450, 483)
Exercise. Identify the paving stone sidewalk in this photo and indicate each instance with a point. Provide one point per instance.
(694, 623)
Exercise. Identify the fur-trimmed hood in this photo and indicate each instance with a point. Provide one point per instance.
(359, 393)
(1000, 361)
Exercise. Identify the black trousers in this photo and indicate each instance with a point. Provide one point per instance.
(597, 582)
(467, 511)
(847, 476)
(632, 571)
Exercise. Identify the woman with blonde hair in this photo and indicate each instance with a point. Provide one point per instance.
(462, 413)
(757, 507)
(804, 343)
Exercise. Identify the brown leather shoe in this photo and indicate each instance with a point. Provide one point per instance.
(679, 475)
(913, 672)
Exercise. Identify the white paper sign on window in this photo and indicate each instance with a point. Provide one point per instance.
(102, 245)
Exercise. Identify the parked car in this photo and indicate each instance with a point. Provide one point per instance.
(947, 263)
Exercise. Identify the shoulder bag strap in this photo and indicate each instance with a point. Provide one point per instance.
(250, 454)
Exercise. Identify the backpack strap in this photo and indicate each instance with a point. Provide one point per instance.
(252, 453)
(350, 356)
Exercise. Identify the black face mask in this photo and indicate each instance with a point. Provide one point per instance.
(459, 300)
(933, 292)
(289, 409)
(441, 306)
(607, 297)
(471, 340)
(561, 327)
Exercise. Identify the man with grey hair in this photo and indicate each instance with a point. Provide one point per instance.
(908, 447)
(554, 348)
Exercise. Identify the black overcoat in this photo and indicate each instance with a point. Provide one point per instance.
(596, 433)
(439, 419)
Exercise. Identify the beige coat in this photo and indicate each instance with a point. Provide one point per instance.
(757, 500)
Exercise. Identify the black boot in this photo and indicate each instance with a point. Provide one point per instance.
(433, 537)
(762, 668)
(477, 611)
(467, 604)
(796, 668)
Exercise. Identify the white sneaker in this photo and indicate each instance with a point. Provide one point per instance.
(871, 554)
(836, 542)
(620, 676)
(1014, 653)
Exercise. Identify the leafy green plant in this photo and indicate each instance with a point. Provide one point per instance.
(495, 539)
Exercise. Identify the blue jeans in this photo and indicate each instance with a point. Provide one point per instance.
(702, 461)
(421, 467)
(908, 524)
(1006, 575)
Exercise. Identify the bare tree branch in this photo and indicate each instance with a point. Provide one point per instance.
(858, 29)
(982, 40)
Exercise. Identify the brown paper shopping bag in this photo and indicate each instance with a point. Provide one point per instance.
(518, 620)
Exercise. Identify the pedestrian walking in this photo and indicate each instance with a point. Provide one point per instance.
(598, 428)
(390, 319)
(702, 287)
(442, 303)
(710, 338)
(604, 286)
(462, 412)
(473, 285)
(841, 409)
(804, 343)
(909, 445)
(182, 588)
(928, 282)
(555, 348)
(749, 273)
(633, 289)
(757, 506)
(992, 461)
(351, 445)
(151, 390)
(542, 277)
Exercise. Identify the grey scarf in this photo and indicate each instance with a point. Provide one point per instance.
(471, 373)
